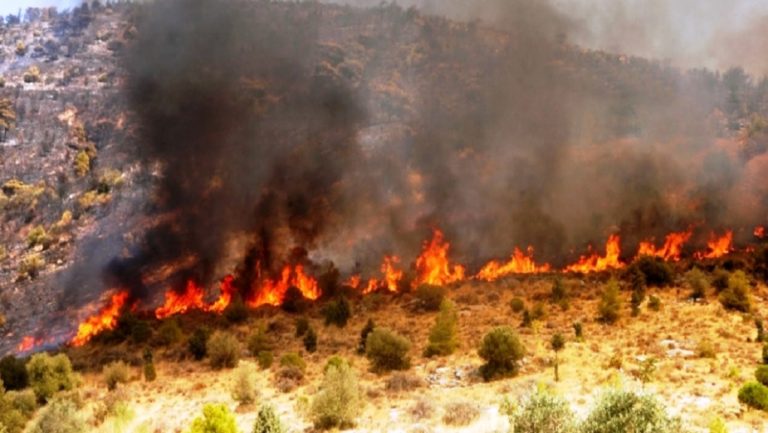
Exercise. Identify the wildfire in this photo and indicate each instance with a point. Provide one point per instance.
(717, 246)
(105, 320)
(595, 263)
(27, 343)
(272, 291)
(433, 266)
(672, 249)
(760, 232)
(353, 281)
(193, 298)
(392, 275)
(226, 289)
(519, 263)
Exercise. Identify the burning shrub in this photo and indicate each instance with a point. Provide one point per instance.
(698, 282)
(608, 308)
(429, 297)
(244, 387)
(115, 373)
(265, 359)
(13, 373)
(49, 375)
(310, 340)
(387, 350)
(217, 418)
(754, 394)
(501, 350)
(442, 336)
(258, 341)
(460, 413)
(337, 312)
(61, 417)
(623, 411)
(302, 326)
(517, 305)
(543, 412)
(267, 421)
(223, 350)
(198, 343)
(338, 402)
(657, 272)
(367, 329)
(736, 295)
(169, 332)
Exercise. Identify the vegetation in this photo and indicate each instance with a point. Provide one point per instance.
(656, 271)
(265, 359)
(623, 411)
(302, 326)
(310, 340)
(259, 341)
(578, 330)
(698, 282)
(216, 418)
(267, 421)
(338, 401)
(13, 373)
(387, 350)
(754, 394)
(736, 294)
(38, 236)
(367, 329)
(116, 373)
(150, 374)
(245, 388)
(654, 303)
(517, 305)
(337, 312)
(30, 266)
(169, 332)
(429, 297)
(60, 416)
(442, 337)
(49, 375)
(32, 75)
(501, 350)
(560, 295)
(557, 343)
(460, 413)
(543, 412)
(223, 350)
(608, 308)
(761, 374)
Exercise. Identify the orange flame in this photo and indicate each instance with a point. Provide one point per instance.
(760, 232)
(595, 263)
(392, 275)
(372, 286)
(433, 266)
(226, 289)
(272, 292)
(105, 320)
(27, 343)
(717, 246)
(353, 281)
(672, 249)
(519, 263)
(175, 303)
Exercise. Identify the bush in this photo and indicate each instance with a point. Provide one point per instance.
(654, 303)
(429, 297)
(245, 388)
(543, 412)
(49, 375)
(657, 272)
(310, 341)
(302, 326)
(293, 359)
(149, 366)
(442, 336)
(705, 349)
(223, 350)
(259, 342)
(198, 343)
(698, 283)
(13, 373)
(638, 296)
(216, 418)
(387, 350)
(169, 332)
(12, 420)
(367, 329)
(517, 305)
(337, 312)
(32, 75)
(578, 330)
(334, 361)
(754, 394)
(23, 401)
(114, 373)
(267, 421)
(236, 311)
(338, 402)
(608, 308)
(736, 295)
(765, 353)
(293, 301)
(60, 417)
(623, 411)
(399, 382)
(265, 359)
(460, 414)
(720, 279)
(30, 266)
(761, 374)
(501, 350)
(559, 295)
(38, 236)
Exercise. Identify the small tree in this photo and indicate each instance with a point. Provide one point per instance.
(310, 340)
(608, 309)
(559, 295)
(338, 402)
(736, 295)
(387, 350)
(367, 329)
(7, 118)
(49, 375)
(442, 337)
(223, 350)
(578, 330)
(217, 418)
(267, 421)
(646, 370)
(543, 413)
(501, 350)
(623, 411)
(698, 283)
(558, 344)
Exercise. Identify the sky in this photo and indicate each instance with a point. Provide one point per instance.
(13, 6)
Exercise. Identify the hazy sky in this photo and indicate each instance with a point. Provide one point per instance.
(13, 6)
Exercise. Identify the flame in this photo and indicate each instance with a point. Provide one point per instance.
(595, 263)
(179, 303)
(433, 266)
(272, 291)
(392, 275)
(519, 263)
(672, 249)
(353, 281)
(105, 320)
(226, 289)
(27, 343)
(760, 232)
(717, 246)
(372, 286)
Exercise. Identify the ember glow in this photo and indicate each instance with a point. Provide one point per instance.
(27, 343)
(105, 320)
(596, 263)
(272, 291)
(760, 232)
(433, 265)
(717, 246)
(519, 263)
(670, 251)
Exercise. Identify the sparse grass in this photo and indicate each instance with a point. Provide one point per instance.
(460, 414)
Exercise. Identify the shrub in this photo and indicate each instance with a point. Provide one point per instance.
(367, 329)
(657, 272)
(302, 326)
(460, 414)
(399, 382)
(267, 421)
(765, 353)
(259, 342)
(761, 374)
(293, 359)
(623, 411)
(720, 279)
(760, 330)
(736, 295)
(638, 296)
(245, 388)
(578, 330)
(654, 303)
(517, 305)
(310, 341)
(49, 375)
(61, 417)
(557, 343)
(236, 311)
(265, 359)
(334, 361)
(32, 75)
(387, 350)
(705, 349)
(30, 266)
(198, 343)
(223, 350)
(140, 332)
(429, 297)
(169, 332)
(608, 308)
(698, 283)
(442, 336)
(13, 373)
(23, 401)
(717, 425)
(501, 350)
(115, 373)
(559, 295)
(543, 412)
(337, 312)
(216, 418)
(149, 366)
(12, 420)
(294, 301)
(338, 402)
(38, 236)
(754, 394)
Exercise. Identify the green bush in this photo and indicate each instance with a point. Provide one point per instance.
(543, 413)
(49, 375)
(657, 272)
(12, 419)
(637, 298)
(334, 361)
(654, 303)
(761, 374)
(623, 411)
(259, 341)
(429, 297)
(302, 326)
(13, 373)
(609, 306)
(698, 282)
(736, 295)
(169, 332)
(217, 418)
(387, 350)
(198, 343)
(267, 421)
(442, 336)
(60, 416)
(245, 387)
(223, 350)
(367, 329)
(338, 401)
(265, 359)
(115, 373)
(754, 394)
(149, 366)
(765, 353)
(501, 350)
(337, 312)
(310, 340)
(517, 305)
(23, 401)
(38, 236)
(293, 359)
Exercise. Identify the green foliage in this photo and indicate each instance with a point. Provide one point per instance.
(310, 340)
(302, 326)
(115, 373)
(517, 305)
(169, 332)
(82, 163)
(387, 350)
(217, 418)
(501, 350)
(293, 359)
(23, 401)
(337, 312)
(265, 359)
(442, 337)
(30, 266)
(736, 295)
(698, 283)
(49, 375)
(367, 329)
(32, 75)
(12, 419)
(245, 388)
(429, 297)
(259, 341)
(638, 296)
(60, 416)
(717, 425)
(267, 421)
(646, 370)
(38, 236)
(761, 374)
(223, 350)
(198, 343)
(13, 373)
(608, 308)
(754, 394)
(657, 272)
(334, 361)
(338, 402)
(543, 412)
(654, 303)
(623, 411)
